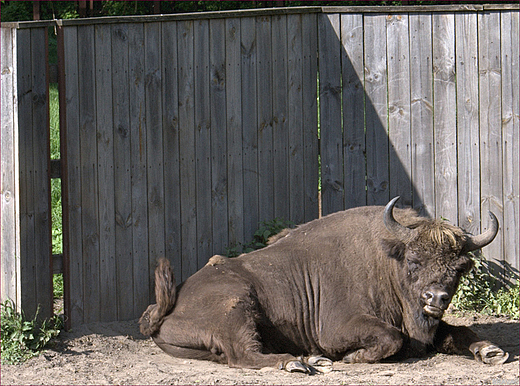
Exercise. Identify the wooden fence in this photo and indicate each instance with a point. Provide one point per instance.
(181, 132)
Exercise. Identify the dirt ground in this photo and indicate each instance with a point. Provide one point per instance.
(116, 353)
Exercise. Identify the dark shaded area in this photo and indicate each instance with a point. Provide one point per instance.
(500, 333)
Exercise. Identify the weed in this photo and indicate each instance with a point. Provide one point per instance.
(260, 237)
(477, 292)
(22, 339)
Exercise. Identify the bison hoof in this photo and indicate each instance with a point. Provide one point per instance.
(297, 366)
(356, 356)
(320, 364)
(489, 353)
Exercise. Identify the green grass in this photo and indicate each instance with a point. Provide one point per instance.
(22, 339)
(56, 211)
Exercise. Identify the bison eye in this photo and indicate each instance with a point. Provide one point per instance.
(413, 263)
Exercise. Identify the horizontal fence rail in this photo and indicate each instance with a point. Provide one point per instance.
(180, 133)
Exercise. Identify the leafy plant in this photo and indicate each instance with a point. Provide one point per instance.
(477, 292)
(57, 283)
(266, 230)
(22, 339)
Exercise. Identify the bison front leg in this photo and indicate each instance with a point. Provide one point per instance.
(459, 339)
(364, 339)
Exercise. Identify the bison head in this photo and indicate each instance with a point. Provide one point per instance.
(432, 256)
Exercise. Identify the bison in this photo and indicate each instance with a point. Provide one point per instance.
(359, 285)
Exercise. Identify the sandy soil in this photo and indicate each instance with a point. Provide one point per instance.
(116, 353)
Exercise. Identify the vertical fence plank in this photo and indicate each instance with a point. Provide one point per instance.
(42, 189)
(234, 132)
(310, 114)
(172, 205)
(510, 128)
(445, 118)
(187, 148)
(265, 124)
(138, 158)
(490, 108)
(354, 147)
(9, 193)
(218, 134)
(154, 144)
(467, 121)
(376, 113)
(123, 173)
(280, 116)
(27, 296)
(249, 125)
(398, 63)
(105, 165)
(70, 138)
(202, 142)
(295, 119)
(421, 113)
(331, 140)
(34, 152)
(89, 172)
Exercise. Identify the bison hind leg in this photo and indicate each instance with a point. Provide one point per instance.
(191, 353)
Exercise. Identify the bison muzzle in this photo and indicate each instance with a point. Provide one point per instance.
(360, 285)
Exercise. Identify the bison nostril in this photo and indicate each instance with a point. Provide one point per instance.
(436, 298)
(428, 296)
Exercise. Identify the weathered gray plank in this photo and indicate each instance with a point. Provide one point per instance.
(218, 77)
(249, 126)
(27, 295)
(138, 140)
(187, 148)
(234, 132)
(398, 71)
(421, 113)
(122, 164)
(172, 209)
(445, 118)
(105, 165)
(331, 140)
(89, 175)
(376, 114)
(70, 137)
(9, 193)
(172, 215)
(280, 116)
(202, 142)
(42, 187)
(510, 134)
(154, 144)
(296, 175)
(354, 147)
(265, 124)
(490, 127)
(467, 121)
(310, 115)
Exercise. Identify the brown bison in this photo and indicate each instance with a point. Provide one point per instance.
(358, 286)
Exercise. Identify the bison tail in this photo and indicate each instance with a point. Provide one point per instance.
(165, 295)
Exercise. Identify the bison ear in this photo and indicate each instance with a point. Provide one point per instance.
(394, 249)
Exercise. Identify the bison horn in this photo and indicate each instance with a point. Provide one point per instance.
(400, 231)
(476, 242)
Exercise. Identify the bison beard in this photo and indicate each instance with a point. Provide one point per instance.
(359, 286)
